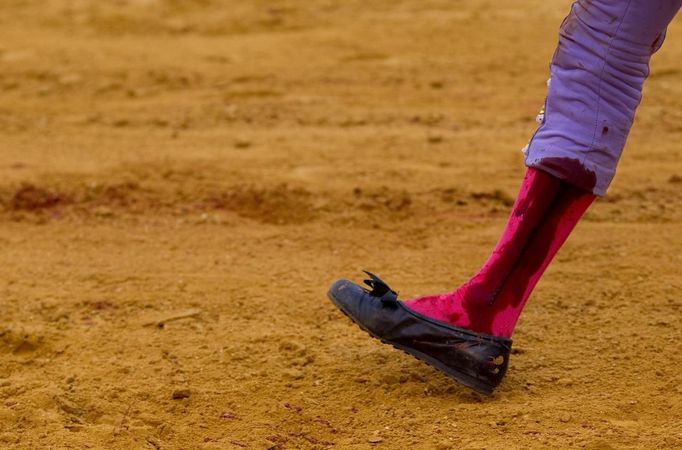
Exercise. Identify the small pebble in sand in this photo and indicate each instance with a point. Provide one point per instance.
(181, 393)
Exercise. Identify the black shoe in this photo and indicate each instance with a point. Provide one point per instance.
(476, 360)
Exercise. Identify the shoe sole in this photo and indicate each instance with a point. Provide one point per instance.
(460, 377)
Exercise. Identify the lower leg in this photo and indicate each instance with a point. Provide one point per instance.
(500, 317)
(543, 216)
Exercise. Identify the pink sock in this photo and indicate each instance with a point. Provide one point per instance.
(544, 214)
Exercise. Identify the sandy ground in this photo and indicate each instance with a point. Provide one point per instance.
(181, 180)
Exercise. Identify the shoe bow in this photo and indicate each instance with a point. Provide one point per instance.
(381, 290)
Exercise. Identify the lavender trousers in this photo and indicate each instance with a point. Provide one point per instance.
(597, 74)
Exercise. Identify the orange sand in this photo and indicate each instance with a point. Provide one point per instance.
(181, 180)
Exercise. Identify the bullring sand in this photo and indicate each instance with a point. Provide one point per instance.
(180, 181)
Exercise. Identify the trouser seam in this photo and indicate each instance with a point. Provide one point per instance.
(601, 82)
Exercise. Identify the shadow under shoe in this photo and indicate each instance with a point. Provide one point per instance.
(476, 360)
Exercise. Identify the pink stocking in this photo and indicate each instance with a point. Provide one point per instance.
(544, 214)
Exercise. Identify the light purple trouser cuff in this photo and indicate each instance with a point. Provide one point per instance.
(597, 75)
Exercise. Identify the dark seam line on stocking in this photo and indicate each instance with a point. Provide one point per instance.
(565, 187)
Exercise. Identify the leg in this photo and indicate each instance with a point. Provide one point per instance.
(598, 72)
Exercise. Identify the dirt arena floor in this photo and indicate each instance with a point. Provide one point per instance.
(181, 180)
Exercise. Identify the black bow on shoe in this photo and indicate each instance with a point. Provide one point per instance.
(381, 290)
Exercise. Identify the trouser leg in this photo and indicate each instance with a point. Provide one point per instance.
(597, 75)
